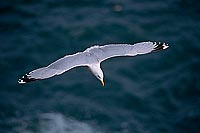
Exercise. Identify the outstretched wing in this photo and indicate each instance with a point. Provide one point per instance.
(113, 50)
(58, 67)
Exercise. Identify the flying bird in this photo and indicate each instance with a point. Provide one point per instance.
(92, 58)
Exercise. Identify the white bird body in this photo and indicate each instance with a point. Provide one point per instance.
(92, 57)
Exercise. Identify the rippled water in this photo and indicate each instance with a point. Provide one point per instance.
(153, 93)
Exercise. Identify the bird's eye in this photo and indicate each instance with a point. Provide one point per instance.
(98, 76)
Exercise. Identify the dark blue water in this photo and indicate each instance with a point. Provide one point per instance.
(154, 93)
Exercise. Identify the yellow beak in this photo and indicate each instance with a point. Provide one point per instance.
(102, 82)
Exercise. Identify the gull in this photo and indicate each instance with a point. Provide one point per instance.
(92, 58)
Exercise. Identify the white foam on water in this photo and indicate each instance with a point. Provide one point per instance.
(58, 123)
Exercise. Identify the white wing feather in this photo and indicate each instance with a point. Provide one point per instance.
(114, 50)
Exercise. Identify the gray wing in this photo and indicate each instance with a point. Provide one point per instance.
(113, 50)
(58, 67)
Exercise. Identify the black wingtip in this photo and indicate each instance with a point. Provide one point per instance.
(160, 46)
(25, 79)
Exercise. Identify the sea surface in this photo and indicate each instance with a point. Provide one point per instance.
(153, 93)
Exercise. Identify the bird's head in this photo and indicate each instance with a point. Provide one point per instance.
(99, 76)
(98, 73)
